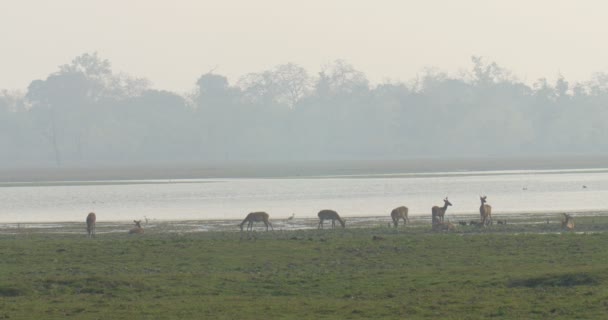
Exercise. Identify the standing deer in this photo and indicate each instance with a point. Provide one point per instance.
(485, 211)
(255, 217)
(439, 212)
(330, 215)
(400, 213)
(137, 229)
(91, 224)
(568, 222)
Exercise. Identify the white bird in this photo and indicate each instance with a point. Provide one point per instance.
(291, 218)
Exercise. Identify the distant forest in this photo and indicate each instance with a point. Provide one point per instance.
(86, 114)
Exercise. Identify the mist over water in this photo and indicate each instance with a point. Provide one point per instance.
(509, 192)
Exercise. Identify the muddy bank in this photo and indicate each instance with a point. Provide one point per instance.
(545, 222)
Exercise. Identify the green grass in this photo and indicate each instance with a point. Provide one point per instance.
(307, 274)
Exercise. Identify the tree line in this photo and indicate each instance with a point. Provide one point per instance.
(87, 114)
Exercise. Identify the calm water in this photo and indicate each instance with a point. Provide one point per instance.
(508, 192)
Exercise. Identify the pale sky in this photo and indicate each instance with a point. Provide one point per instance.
(173, 42)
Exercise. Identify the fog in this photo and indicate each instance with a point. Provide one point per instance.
(84, 115)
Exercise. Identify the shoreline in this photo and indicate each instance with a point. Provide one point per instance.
(298, 169)
(417, 216)
(439, 174)
(158, 226)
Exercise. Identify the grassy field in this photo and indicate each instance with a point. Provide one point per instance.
(515, 271)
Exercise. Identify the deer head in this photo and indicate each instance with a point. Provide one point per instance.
(446, 201)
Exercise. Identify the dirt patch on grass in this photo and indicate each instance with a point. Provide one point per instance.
(11, 292)
(556, 280)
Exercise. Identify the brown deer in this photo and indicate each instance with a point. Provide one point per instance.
(485, 211)
(443, 226)
(91, 224)
(400, 213)
(439, 212)
(330, 215)
(256, 217)
(137, 229)
(568, 222)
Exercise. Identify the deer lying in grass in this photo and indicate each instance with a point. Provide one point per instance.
(400, 213)
(439, 212)
(137, 229)
(443, 226)
(568, 222)
(256, 217)
(91, 218)
(330, 215)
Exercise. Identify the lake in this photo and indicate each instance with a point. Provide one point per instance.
(509, 192)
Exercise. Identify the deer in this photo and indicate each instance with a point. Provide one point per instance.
(330, 215)
(439, 212)
(91, 218)
(485, 211)
(443, 226)
(568, 222)
(137, 229)
(255, 217)
(400, 213)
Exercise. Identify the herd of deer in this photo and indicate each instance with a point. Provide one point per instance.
(399, 213)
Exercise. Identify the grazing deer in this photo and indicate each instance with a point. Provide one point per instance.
(439, 212)
(485, 211)
(137, 229)
(91, 218)
(400, 213)
(256, 217)
(330, 215)
(568, 222)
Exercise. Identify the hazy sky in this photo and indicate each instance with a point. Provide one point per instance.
(173, 42)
